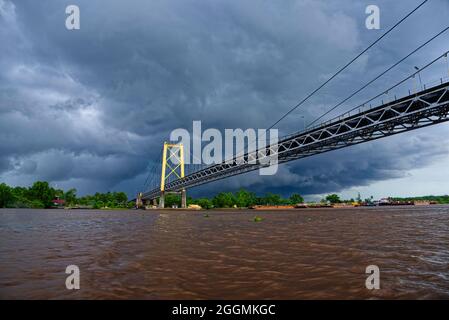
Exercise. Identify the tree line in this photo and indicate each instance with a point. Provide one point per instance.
(41, 195)
(240, 199)
(438, 199)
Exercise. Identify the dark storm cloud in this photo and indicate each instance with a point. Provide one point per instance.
(93, 106)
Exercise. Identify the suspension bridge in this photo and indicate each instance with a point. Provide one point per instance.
(422, 107)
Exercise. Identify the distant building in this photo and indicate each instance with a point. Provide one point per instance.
(58, 202)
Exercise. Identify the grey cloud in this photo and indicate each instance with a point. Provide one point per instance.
(92, 107)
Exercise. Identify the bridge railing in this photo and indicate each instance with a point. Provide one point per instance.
(362, 108)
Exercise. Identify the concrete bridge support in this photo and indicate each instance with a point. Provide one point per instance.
(139, 202)
(162, 200)
(183, 198)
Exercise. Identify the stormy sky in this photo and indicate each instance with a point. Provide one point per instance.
(90, 108)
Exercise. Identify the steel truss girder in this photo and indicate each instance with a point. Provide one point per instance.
(416, 111)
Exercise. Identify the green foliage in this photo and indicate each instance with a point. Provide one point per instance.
(333, 198)
(271, 199)
(42, 192)
(224, 200)
(37, 204)
(121, 198)
(205, 203)
(438, 199)
(296, 198)
(102, 200)
(130, 205)
(6, 196)
(69, 196)
(98, 204)
(41, 195)
(245, 199)
(172, 199)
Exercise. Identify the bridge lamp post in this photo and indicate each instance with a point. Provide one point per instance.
(419, 76)
(303, 122)
(447, 63)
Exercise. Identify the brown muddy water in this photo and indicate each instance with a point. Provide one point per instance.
(300, 254)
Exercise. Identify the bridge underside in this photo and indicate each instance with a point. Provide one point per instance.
(415, 111)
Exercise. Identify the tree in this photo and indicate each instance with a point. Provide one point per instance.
(296, 198)
(333, 198)
(70, 196)
(270, 199)
(224, 200)
(59, 193)
(205, 203)
(42, 192)
(120, 198)
(37, 204)
(6, 196)
(245, 198)
(172, 199)
(98, 204)
(130, 204)
(21, 197)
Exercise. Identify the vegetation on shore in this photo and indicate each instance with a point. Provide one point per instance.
(438, 199)
(240, 199)
(42, 195)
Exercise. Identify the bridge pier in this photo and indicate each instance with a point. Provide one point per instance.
(162, 200)
(139, 202)
(183, 198)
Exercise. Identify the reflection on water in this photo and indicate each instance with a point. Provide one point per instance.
(302, 254)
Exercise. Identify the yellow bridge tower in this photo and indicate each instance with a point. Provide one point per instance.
(172, 164)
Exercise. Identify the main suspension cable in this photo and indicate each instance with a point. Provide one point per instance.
(377, 77)
(396, 85)
(347, 65)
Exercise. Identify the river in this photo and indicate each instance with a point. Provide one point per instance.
(295, 254)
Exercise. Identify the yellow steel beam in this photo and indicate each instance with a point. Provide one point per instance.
(172, 150)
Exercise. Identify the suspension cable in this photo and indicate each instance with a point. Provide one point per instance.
(347, 65)
(152, 171)
(396, 85)
(377, 77)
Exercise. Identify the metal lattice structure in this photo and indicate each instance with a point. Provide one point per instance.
(415, 111)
